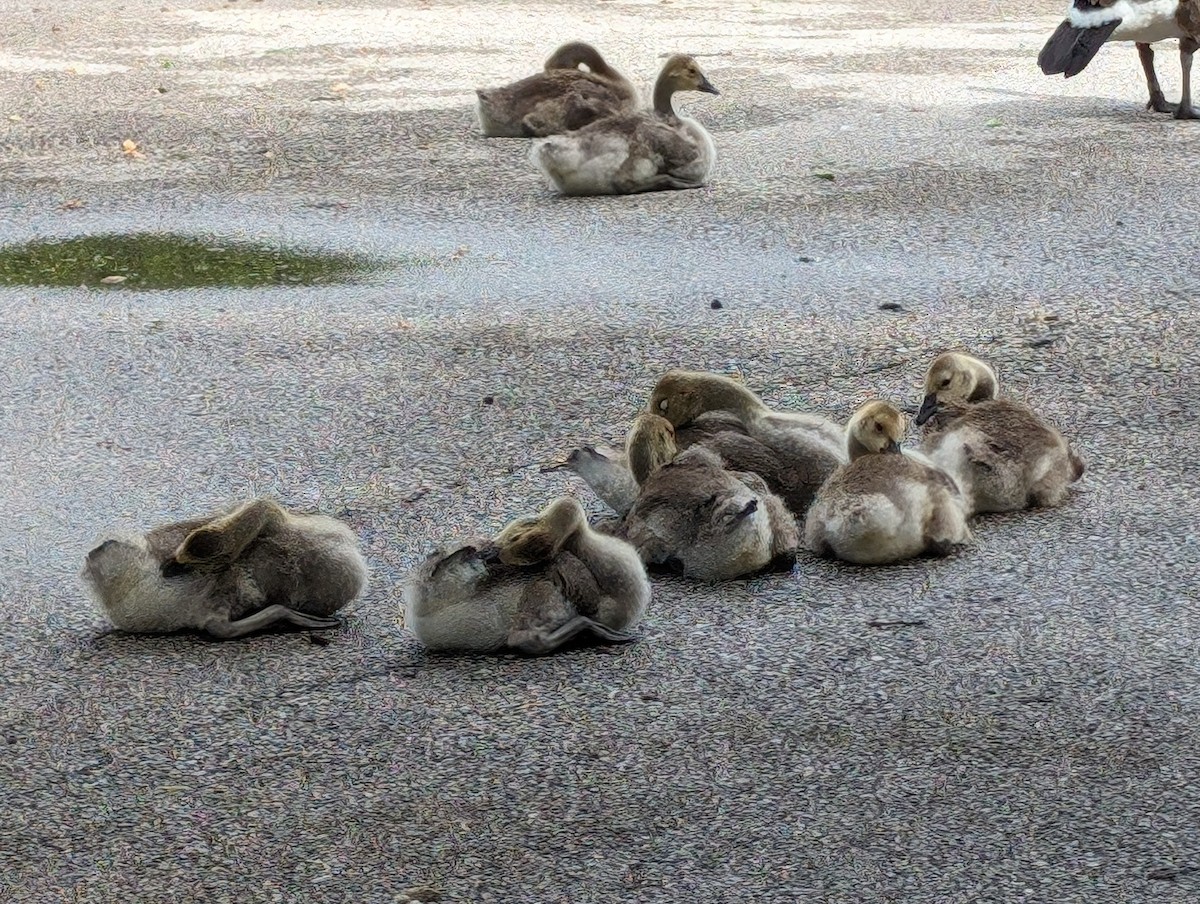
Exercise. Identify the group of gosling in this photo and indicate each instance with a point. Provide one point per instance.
(594, 137)
(711, 485)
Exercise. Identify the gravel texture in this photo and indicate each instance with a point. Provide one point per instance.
(1031, 737)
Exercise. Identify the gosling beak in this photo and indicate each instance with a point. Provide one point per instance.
(556, 465)
(929, 408)
(173, 568)
(750, 509)
(99, 549)
(706, 86)
(489, 555)
(893, 448)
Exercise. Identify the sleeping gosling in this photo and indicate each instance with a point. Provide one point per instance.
(228, 574)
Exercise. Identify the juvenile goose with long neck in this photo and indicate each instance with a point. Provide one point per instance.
(635, 152)
(560, 98)
(606, 471)
(541, 582)
(230, 573)
(1003, 455)
(884, 506)
(1092, 23)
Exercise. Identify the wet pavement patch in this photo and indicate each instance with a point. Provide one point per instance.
(167, 261)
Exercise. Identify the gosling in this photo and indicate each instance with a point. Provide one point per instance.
(228, 574)
(560, 98)
(542, 582)
(696, 516)
(1003, 455)
(884, 506)
(635, 152)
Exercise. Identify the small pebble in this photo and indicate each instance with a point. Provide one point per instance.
(891, 306)
(319, 640)
(716, 305)
(489, 400)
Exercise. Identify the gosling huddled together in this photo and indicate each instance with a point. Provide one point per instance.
(712, 485)
(594, 138)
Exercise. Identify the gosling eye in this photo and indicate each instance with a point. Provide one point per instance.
(878, 428)
(945, 383)
(662, 406)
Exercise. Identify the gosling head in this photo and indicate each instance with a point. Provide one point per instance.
(682, 73)
(681, 396)
(583, 460)
(958, 379)
(463, 567)
(649, 445)
(876, 427)
(532, 540)
(121, 567)
(574, 54)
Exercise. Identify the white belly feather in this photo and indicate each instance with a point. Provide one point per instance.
(1145, 21)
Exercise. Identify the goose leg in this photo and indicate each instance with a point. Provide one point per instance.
(1187, 47)
(659, 183)
(539, 641)
(1158, 102)
(227, 630)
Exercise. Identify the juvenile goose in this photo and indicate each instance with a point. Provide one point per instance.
(884, 506)
(793, 452)
(560, 98)
(682, 396)
(228, 574)
(541, 582)
(1092, 23)
(695, 515)
(635, 152)
(1002, 454)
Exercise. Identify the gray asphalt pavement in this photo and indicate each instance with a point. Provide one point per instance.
(1032, 738)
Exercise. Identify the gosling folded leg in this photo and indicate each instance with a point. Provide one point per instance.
(228, 630)
(539, 641)
(662, 183)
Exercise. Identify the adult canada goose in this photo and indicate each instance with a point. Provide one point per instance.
(560, 98)
(1003, 455)
(542, 581)
(635, 152)
(884, 506)
(1092, 23)
(229, 574)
